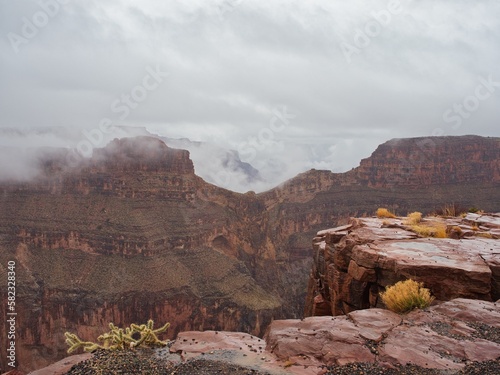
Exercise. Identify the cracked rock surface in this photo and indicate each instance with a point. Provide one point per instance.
(355, 262)
(444, 337)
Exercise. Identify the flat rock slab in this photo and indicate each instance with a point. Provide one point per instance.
(444, 337)
(441, 337)
(490, 220)
(236, 348)
(467, 310)
(439, 263)
(318, 340)
(63, 366)
(374, 323)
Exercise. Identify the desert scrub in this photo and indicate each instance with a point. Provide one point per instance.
(436, 230)
(406, 295)
(385, 213)
(413, 218)
(119, 339)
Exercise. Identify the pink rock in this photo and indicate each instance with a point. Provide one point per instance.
(63, 366)
(374, 323)
(471, 311)
(320, 339)
(246, 350)
(193, 342)
(372, 256)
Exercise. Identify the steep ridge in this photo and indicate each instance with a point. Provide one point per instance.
(133, 234)
(432, 161)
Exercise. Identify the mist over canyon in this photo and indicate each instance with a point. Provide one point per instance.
(134, 233)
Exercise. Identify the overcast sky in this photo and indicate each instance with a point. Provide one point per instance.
(291, 85)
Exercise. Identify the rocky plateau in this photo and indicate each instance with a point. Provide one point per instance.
(355, 262)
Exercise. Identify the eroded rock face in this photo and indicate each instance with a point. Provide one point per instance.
(133, 233)
(415, 162)
(354, 263)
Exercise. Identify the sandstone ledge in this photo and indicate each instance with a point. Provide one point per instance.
(355, 262)
(447, 336)
(441, 337)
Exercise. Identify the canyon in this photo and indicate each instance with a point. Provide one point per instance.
(133, 233)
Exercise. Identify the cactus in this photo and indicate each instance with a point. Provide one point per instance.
(74, 343)
(119, 339)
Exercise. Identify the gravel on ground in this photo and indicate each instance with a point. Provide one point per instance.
(133, 362)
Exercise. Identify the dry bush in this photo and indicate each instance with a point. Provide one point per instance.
(406, 295)
(385, 213)
(413, 218)
(451, 210)
(436, 230)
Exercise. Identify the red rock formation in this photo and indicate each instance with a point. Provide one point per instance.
(432, 161)
(354, 263)
(125, 235)
(443, 337)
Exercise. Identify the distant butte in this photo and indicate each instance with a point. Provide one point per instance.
(134, 233)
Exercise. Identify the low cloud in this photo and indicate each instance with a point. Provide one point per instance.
(224, 66)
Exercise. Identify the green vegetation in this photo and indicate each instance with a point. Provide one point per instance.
(119, 339)
(406, 295)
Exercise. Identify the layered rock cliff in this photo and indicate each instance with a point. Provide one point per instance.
(354, 263)
(130, 234)
(432, 161)
(133, 233)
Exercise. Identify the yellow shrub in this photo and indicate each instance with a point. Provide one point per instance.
(406, 295)
(436, 230)
(440, 231)
(414, 218)
(384, 212)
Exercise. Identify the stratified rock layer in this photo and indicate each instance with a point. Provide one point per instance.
(354, 263)
(133, 234)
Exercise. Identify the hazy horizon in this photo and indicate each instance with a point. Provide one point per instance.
(288, 85)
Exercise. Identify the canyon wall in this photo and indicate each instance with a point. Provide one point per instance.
(133, 234)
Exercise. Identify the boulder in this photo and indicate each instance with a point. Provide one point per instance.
(353, 268)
